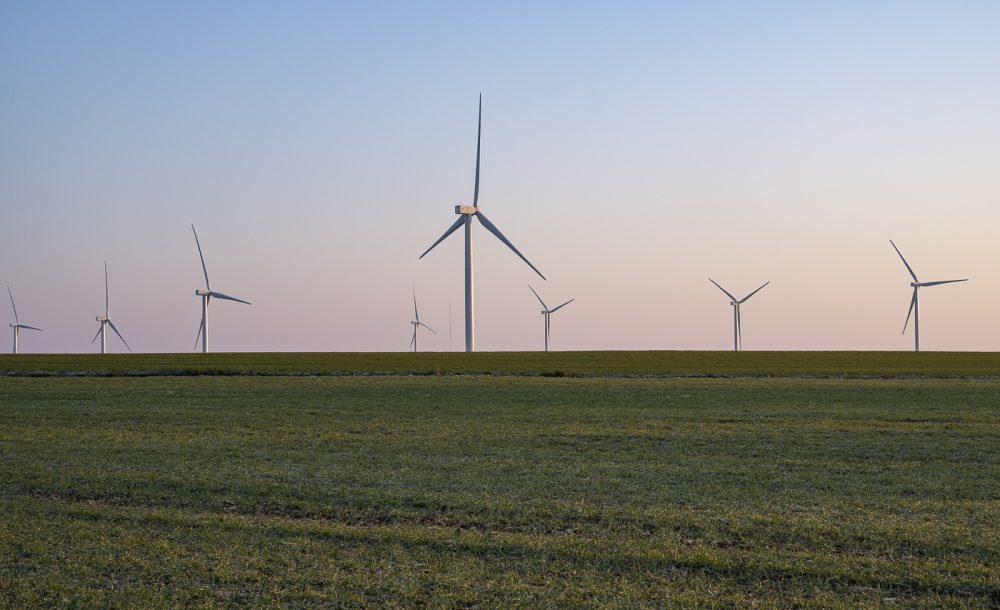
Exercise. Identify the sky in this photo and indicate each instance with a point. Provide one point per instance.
(629, 150)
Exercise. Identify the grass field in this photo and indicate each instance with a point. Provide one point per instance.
(648, 363)
(756, 485)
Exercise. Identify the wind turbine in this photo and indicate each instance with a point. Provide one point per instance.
(105, 320)
(206, 295)
(546, 312)
(914, 306)
(737, 325)
(417, 323)
(17, 326)
(466, 213)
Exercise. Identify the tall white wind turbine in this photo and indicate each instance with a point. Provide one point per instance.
(914, 305)
(17, 326)
(546, 312)
(206, 295)
(737, 324)
(466, 213)
(417, 323)
(105, 320)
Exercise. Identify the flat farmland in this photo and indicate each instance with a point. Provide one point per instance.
(706, 487)
(580, 364)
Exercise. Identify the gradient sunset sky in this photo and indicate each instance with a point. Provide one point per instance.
(630, 151)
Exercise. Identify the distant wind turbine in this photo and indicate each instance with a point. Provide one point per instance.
(914, 305)
(206, 295)
(17, 326)
(546, 312)
(466, 214)
(105, 320)
(417, 323)
(737, 325)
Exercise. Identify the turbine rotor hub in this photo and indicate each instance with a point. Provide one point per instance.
(466, 210)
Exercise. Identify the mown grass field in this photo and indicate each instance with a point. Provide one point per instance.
(772, 489)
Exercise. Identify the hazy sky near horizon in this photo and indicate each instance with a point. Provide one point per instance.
(630, 151)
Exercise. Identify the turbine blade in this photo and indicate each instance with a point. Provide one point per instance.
(561, 306)
(544, 306)
(754, 292)
(495, 231)
(943, 282)
(226, 297)
(98, 334)
(112, 325)
(208, 286)
(28, 327)
(415, 314)
(722, 289)
(428, 328)
(913, 303)
(451, 229)
(479, 137)
(107, 300)
(414, 339)
(200, 328)
(908, 268)
(16, 321)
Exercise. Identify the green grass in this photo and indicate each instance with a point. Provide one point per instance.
(531, 491)
(649, 363)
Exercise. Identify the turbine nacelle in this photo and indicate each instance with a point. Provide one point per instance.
(467, 210)
(102, 318)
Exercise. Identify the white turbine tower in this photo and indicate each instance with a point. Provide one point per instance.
(17, 326)
(206, 295)
(546, 312)
(417, 323)
(105, 320)
(466, 213)
(737, 324)
(914, 306)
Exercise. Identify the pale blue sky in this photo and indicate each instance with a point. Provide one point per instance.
(628, 151)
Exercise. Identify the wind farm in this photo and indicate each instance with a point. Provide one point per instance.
(722, 471)
(646, 452)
